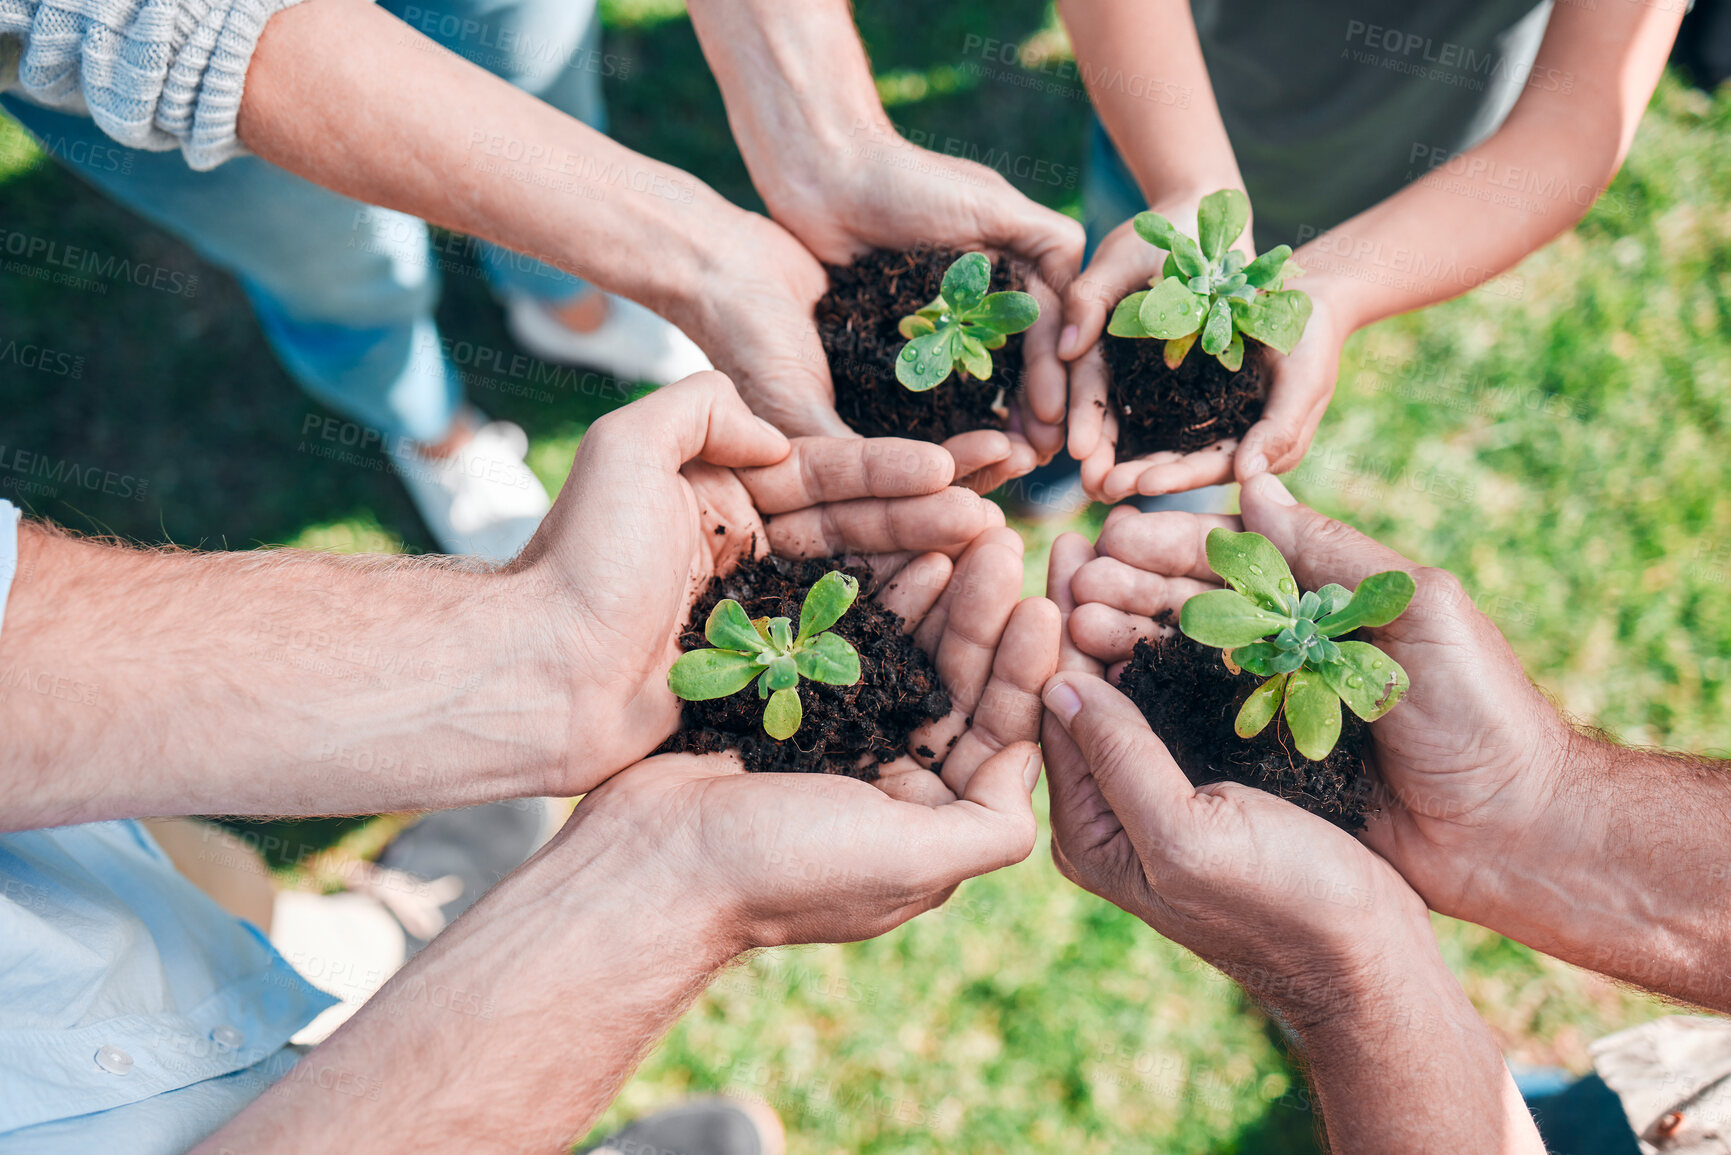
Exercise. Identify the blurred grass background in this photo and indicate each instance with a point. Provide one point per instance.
(1561, 446)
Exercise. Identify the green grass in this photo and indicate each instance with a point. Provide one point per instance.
(1563, 450)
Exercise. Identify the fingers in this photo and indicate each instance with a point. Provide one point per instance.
(1122, 265)
(1044, 381)
(1170, 543)
(1053, 241)
(1088, 400)
(1180, 474)
(975, 607)
(993, 824)
(907, 781)
(1319, 549)
(700, 416)
(1136, 776)
(833, 469)
(986, 458)
(916, 587)
(1008, 708)
(1070, 552)
(1297, 402)
(1134, 590)
(1109, 635)
(946, 522)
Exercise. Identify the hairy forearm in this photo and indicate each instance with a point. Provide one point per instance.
(139, 683)
(1398, 1059)
(1626, 876)
(394, 119)
(1143, 67)
(516, 1027)
(797, 86)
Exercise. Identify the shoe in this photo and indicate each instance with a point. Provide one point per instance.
(481, 500)
(701, 1127)
(436, 869)
(632, 344)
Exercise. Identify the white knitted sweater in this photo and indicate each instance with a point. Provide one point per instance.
(153, 74)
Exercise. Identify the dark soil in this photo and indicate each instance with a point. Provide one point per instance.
(849, 730)
(1191, 699)
(1183, 409)
(856, 320)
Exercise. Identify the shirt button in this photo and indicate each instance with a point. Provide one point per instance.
(114, 1060)
(227, 1038)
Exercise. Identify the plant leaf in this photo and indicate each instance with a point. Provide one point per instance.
(914, 325)
(782, 674)
(1233, 262)
(1333, 597)
(1257, 657)
(1177, 349)
(830, 659)
(826, 601)
(1127, 317)
(1249, 563)
(1378, 600)
(1217, 329)
(782, 716)
(1265, 272)
(1155, 229)
(926, 362)
(728, 628)
(974, 357)
(1227, 619)
(1006, 312)
(1232, 357)
(1219, 219)
(1276, 319)
(1366, 679)
(1171, 310)
(702, 675)
(966, 281)
(1260, 708)
(1188, 255)
(1313, 713)
(1170, 269)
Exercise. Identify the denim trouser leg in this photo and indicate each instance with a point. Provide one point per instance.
(345, 292)
(549, 48)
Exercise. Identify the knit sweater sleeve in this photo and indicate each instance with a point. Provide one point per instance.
(153, 74)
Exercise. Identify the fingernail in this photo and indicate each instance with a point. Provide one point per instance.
(1274, 490)
(1067, 341)
(1257, 463)
(1063, 701)
(1031, 772)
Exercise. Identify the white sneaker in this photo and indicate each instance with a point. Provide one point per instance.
(481, 500)
(632, 344)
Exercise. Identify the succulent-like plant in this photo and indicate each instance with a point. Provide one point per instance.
(768, 650)
(960, 328)
(1211, 291)
(1263, 625)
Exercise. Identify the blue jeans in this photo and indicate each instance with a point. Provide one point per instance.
(345, 292)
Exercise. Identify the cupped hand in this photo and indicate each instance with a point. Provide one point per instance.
(1286, 903)
(1469, 757)
(1300, 387)
(798, 858)
(669, 490)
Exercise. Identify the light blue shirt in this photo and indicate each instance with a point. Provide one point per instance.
(136, 1015)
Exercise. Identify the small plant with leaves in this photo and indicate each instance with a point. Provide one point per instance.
(959, 329)
(1264, 626)
(767, 650)
(1211, 291)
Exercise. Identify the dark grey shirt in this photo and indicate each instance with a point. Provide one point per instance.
(1334, 106)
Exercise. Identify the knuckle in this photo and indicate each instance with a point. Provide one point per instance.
(1440, 590)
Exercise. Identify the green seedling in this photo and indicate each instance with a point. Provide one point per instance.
(959, 329)
(767, 649)
(1263, 625)
(1211, 291)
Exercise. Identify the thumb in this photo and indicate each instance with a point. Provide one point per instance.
(1135, 774)
(1319, 549)
(701, 416)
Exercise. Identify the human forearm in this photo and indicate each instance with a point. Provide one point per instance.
(136, 683)
(1623, 874)
(1143, 67)
(516, 1027)
(1400, 1062)
(396, 120)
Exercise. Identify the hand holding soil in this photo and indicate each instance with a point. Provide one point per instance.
(676, 487)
